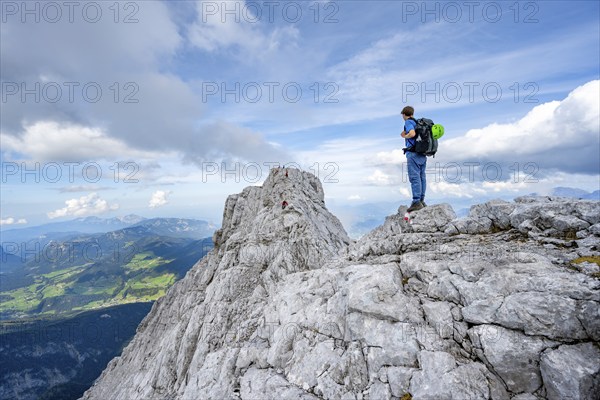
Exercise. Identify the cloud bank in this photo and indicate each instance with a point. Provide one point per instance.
(88, 205)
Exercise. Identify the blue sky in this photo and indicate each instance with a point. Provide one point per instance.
(187, 86)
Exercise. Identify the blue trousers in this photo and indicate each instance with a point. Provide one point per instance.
(417, 163)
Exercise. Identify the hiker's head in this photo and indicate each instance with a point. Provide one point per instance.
(407, 112)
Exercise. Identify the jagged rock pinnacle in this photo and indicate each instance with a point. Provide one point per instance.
(503, 304)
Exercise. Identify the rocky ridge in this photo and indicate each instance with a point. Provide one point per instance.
(502, 304)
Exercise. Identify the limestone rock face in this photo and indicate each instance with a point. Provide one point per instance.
(288, 307)
(572, 371)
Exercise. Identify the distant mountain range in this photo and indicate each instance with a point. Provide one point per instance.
(175, 227)
(59, 230)
(9, 261)
(77, 225)
(575, 193)
(79, 271)
(18, 246)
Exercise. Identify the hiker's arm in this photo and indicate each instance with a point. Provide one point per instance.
(408, 135)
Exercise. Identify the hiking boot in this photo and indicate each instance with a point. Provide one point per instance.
(415, 206)
(424, 205)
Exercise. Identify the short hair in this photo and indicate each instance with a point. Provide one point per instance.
(408, 111)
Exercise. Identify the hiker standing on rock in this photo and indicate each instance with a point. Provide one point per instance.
(417, 163)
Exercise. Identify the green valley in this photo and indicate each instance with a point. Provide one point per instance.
(67, 309)
(131, 265)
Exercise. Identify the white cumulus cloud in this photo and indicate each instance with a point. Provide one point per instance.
(91, 204)
(12, 221)
(380, 178)
(159, 199)
(560, 134)
(53, 141)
